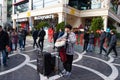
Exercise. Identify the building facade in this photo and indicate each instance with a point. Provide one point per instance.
(74, 12)
(5, 13)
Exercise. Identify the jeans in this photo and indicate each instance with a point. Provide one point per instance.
(21, 43)
(90, 47)
(24, 42)
(4, 57)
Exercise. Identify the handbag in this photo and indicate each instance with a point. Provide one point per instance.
(60, 43)
(62, 51)
(8, 49)
(62, 54)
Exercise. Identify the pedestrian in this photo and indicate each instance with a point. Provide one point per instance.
(24, 32)
(91, 38)
(14, 39)
(86, 40)
(108, 35)
(57, 35)
(20, 39)
(35, 36)
(41, 35)
(102, 40)
(70, 39)
(113, 43)
(50, 34)
(4, 41)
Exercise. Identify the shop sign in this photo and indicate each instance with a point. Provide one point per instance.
(72, 11)
(28, 14)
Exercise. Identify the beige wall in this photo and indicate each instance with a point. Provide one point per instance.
(74, 21)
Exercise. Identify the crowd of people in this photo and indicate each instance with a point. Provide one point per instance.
(12, 38)
(109, 37)
(9, 40)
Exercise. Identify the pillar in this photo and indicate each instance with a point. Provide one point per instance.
(31, 19)
(105, 22)
(14, 23)
(61, 17)
(13, 12)
(4, 11)
(118, 12)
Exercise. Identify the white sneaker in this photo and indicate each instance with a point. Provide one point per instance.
(64, 71)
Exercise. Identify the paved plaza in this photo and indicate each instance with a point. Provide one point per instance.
(86, 66)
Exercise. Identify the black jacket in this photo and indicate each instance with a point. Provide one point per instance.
(41, 34)
(35, 34)
(91, 38)
(86, 37)
(4, 40)
(102, 36)
(113, 40)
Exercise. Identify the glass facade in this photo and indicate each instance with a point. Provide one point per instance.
(9, 9)
(22, 7)
(85, 4)
(114, 5)
(43, 3)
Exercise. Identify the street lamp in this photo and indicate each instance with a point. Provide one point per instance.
(17, 12)
(66, 4)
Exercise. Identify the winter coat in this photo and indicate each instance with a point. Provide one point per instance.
(71, 42)
(113, 40)
(102, 36)
(41, 34)
(4, 40)
(86, 37)
(35, 34)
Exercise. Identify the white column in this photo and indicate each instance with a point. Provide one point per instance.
(31, 19)
(4, 11)
(105, 22)
(14, 23)
(118, 12)
(61, 17)
(13, 12)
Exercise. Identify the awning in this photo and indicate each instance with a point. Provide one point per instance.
(20, 2)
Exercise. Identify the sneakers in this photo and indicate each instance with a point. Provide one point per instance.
(64, 71)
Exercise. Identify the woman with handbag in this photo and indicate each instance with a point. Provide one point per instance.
(70, 39)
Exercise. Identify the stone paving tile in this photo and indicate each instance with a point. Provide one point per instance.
(25, 73)
(118, 78)
(13, 62)
(96, 65)
(81, 74)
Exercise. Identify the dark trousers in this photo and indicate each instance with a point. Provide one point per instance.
(85, 45)
(24, 42)
(112, 48)
(35, 42)
(68, 64)
(101, 47)
(4, 57)
(21, 44)
(40, 43)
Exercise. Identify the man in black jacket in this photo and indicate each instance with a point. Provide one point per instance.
(4, 41)
(35, 36)
(102, 40)
(113, 42)
(86, 40)
(41, 35)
